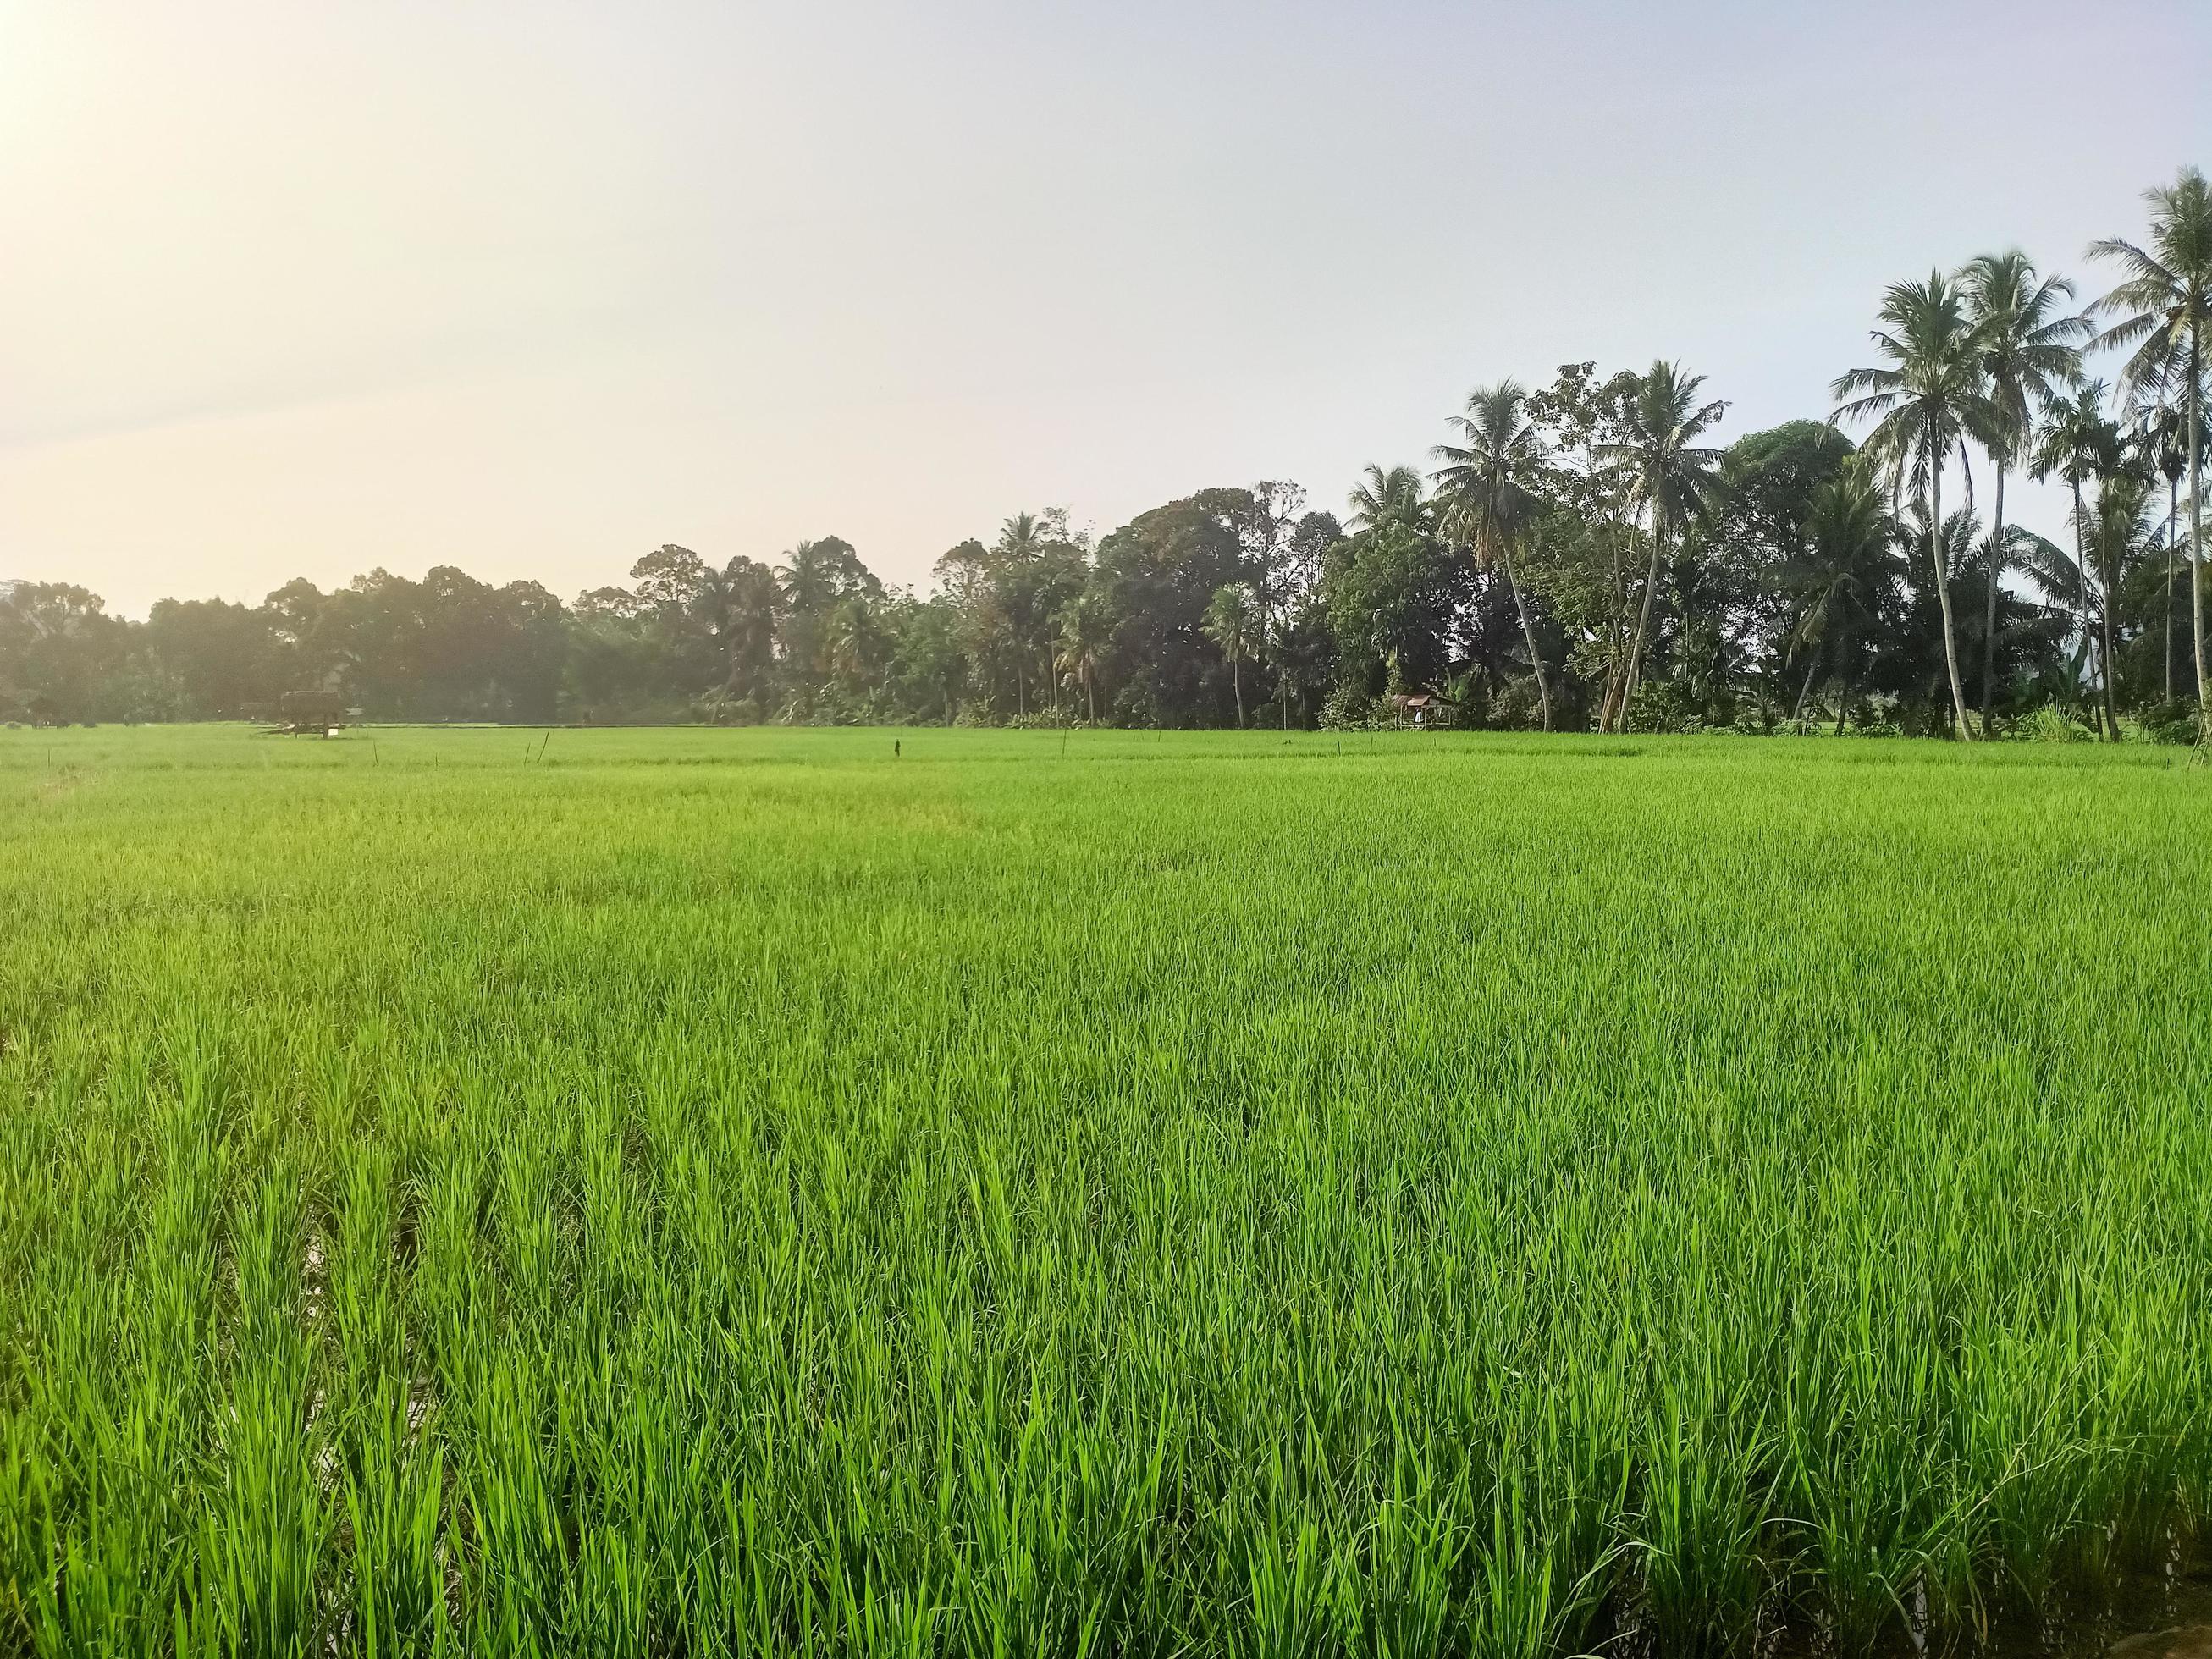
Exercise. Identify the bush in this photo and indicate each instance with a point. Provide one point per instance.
(2049, 724)
(1663, 706)
(1753, 721)
(1138, 704)
(2172, 722)
(1347, 708)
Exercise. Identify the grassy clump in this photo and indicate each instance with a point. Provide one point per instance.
(713, 1191)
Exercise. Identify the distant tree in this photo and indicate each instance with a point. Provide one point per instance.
(1579, 555)
(2161, 436)
(1307, 556)
(1395, 594)
(2028, 348)
(928, 670)
(1301, 650)
(1268, 532)
(1845, 581)
(2120, 528)
(1486, 491)
(817, 577)
(1389, 495)
(59, 651)
(1927, 400)
(220, 656)
(2162, 307)
(2080, 442)
(1155, 576)
(1085, 631)
(1668, 476)
(743, 604)
(1231, 623)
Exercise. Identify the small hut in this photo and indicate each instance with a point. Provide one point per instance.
(1425, 710)
(316, 713)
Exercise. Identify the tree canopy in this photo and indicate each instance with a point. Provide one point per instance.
(1584, 554)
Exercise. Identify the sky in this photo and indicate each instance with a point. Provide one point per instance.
(303, 289)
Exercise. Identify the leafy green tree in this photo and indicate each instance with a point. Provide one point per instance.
(1085, 631)
(1926, 399)
(1155, 576)
(1232, 622)
(1845, 581)
(858, 646)
(929, 669)
(1301, 650)
(742, 604)
(1395, 593)
(1668, 476)
(1583, 551)
(2161, 437)
(2080, 442)
(59, 651)
(223, 657)
(2162, 308)
(1750, 544)
(1389, 495)
(2028, 349)
(815, 578)
(1486, 494)
(2121, 530)
(1034, 569)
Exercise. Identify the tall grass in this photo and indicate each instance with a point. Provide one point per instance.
(713, 1192)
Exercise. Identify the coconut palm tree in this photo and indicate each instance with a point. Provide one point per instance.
(1019, 549)
(2028, 347)
(1924, 401)
(1231, 623)
(742, 604)
(2079, 443)
(1845, 581)
(1085, 628)
(856, 641)
(2160, 438)
(1485, 494)
(1669, 477)
(1386, 495)
(2163, 308)
(2121, 529)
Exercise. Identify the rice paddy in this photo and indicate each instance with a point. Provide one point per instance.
(465, 1191)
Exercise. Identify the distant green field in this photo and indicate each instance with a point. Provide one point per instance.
(475, 1191)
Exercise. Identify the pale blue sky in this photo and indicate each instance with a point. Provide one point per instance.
(299, 289)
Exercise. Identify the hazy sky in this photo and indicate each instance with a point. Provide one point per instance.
(299, 288)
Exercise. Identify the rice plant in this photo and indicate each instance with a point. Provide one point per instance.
(1098, 1193)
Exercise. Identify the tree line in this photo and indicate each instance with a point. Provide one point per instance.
(1570, 557)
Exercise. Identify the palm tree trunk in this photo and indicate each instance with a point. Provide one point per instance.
(1090, 695)
(1617, 626)
(1943, 592)
(2105, 607)
(1528, 633)
(1797, 714)
(1237, 680)
(1843, 705)
(2089, 637)
(2173, 512)
(1990, 604)
(2195, 526)
(1643, 615)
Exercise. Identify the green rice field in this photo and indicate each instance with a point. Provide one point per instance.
(473, 1191)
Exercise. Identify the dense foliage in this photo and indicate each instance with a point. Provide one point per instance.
(1580, 555)
(693, 1192)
